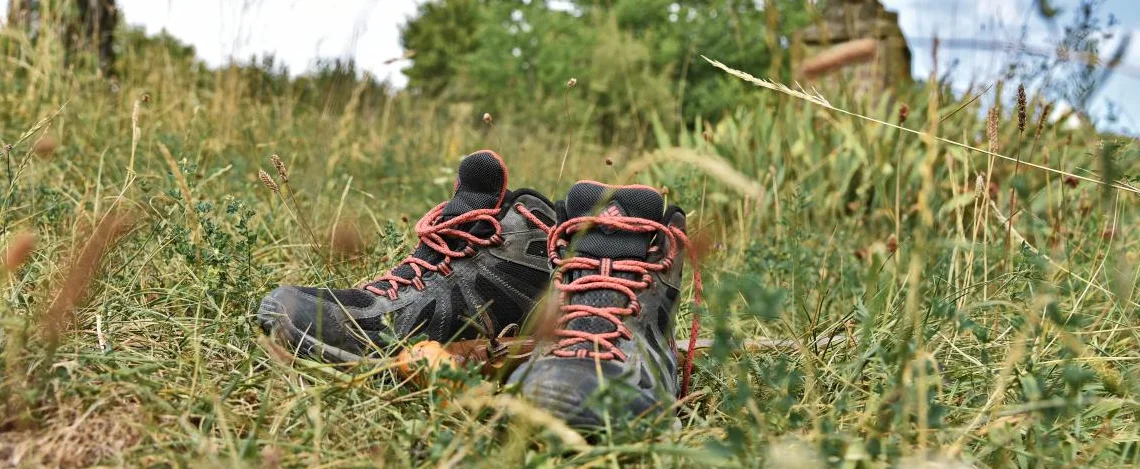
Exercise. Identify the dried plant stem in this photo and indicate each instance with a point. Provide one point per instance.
(191, 213)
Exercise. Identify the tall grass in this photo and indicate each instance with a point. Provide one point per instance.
(974, 335)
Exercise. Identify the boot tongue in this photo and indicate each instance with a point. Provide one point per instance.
(594, 199)
(480, 183)
(588, 198)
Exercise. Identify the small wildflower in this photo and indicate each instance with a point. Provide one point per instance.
(904, 112)
(572, 83)
(487, 118)
(267, 181)
(277, 163)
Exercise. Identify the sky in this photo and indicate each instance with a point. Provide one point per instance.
(300, 31)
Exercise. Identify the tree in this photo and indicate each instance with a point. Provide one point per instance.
(86, 23)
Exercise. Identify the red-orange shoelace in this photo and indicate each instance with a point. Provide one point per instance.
(432, 232)
(605, 279)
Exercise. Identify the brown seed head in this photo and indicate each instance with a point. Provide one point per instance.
(1072, 181)
(572, 83)
(487, 118)
(404, 218)
(1041, 120)
(904, 112)
(19, 249)
(992, 120)
(892, 244)
(979, 187)
(267, 181)
(277, 163)
(609, 162)
(346, 239)
(1021, 105)
(45, 146)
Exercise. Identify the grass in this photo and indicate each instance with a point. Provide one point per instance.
(127, 336)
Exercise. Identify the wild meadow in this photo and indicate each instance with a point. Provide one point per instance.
(979, 265)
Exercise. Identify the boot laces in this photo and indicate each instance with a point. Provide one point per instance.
(433, 232)
(605, 279)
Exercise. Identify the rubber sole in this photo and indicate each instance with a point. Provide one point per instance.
(276, 323)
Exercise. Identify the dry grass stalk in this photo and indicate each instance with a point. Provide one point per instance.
(182, 186)
(80, 273)
(838, 57)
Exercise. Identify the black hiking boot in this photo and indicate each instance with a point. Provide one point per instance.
(485, 249)
(618, 254)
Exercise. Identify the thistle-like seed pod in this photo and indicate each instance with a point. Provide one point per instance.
(572, 83)
(267, 181)
(277, 163)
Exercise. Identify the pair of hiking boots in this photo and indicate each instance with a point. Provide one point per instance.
(612, 253)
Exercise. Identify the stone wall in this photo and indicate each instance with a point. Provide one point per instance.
(848, 20)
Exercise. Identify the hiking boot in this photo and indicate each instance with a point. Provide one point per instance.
(480, 265)
(617, 253)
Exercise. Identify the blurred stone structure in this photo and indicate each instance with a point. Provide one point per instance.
(843, 21)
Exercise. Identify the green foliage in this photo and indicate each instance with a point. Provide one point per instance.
(633, 60)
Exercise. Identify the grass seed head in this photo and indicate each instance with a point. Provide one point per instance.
(45, 146)
(1041, 120)
(992, 120)
(267, 181)
(19, 249)
(904, 112)
(281, 172)
(1021, 105)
